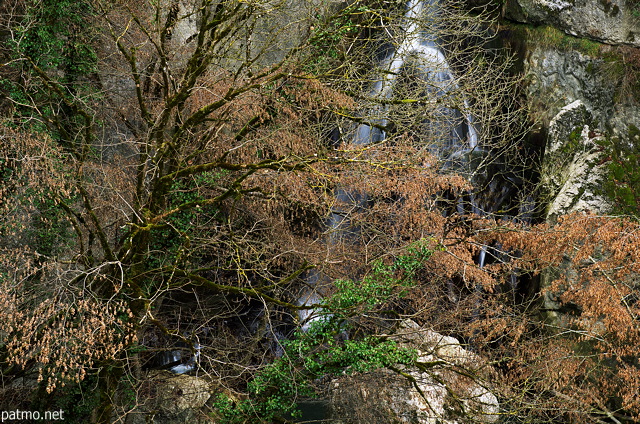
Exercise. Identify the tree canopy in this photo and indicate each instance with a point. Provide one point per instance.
(185, 172)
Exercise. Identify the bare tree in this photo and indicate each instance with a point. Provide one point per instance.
(188, 177)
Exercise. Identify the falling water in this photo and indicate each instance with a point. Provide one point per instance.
(188, 366)
(453, 129)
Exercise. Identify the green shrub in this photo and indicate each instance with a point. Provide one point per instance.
(324, 350)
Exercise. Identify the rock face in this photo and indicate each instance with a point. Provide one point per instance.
(601, 80)
(582, 95)
(573, 173)
(586, 111)
(558, 78)
(609, 21)
(440, 392)
(572, 170)
(169, 398)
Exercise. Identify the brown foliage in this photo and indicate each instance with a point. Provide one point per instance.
(584, 360)
(205, 174)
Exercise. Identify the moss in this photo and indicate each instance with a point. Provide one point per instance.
(572, 144)
(573, 140)
(550, 37)
(622, 184)
(619, 64)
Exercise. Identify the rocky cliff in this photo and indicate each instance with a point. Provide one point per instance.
(581, 63)
(607, 21)
(575, 52)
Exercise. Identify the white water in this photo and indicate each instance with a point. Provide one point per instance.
(457, 134)
(456, 138)
(188, 366)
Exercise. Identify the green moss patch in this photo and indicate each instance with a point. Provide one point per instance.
(549, 37)
(622, 184)
(615, 63)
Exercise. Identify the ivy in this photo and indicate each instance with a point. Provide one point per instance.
(55, 38)
(77, 401)
(169, 239)
(328, 36)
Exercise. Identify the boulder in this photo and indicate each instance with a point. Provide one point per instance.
(572, 169)
(439, 389)
(168, 398)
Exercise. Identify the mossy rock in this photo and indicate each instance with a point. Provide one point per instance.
(573, 169)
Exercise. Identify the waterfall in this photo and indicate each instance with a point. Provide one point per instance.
(188, 366)
(420, 47)
(176, 362)
(454, 130)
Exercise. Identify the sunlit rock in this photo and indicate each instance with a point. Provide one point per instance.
(168, 398)
(610, 21)
(438, 390)
(573, 170)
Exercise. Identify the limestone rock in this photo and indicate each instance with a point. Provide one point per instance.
(557, 78)
(586, 115)
(168, 398)
(572, 170)
(439, 392)
(609, 21)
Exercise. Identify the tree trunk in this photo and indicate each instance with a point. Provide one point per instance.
(108, 378)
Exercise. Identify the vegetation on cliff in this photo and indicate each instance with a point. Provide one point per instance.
(168, 171)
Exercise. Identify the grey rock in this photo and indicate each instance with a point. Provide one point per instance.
(167, 398)
(440, 392)
(609, 21)
(557, 78)
(578, 105)
(572, 170)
